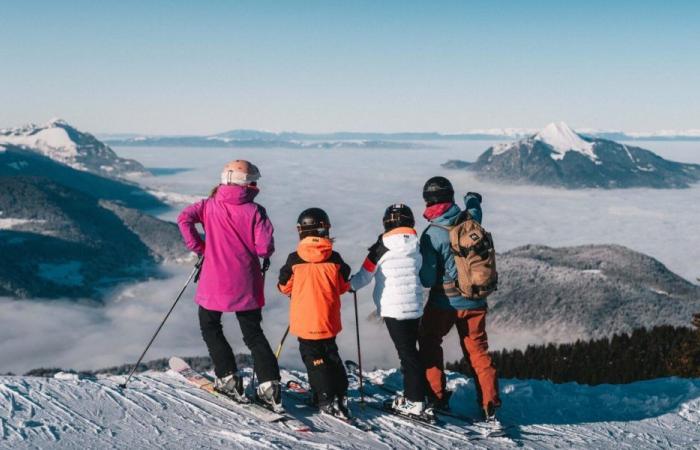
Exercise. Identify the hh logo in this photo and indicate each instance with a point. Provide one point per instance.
(474, 236)
(318, 362)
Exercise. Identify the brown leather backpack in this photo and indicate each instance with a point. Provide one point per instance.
(475, 257)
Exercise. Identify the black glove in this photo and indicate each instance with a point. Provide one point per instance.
(474, 194)
(265, 264)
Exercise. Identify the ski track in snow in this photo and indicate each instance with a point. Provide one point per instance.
(160, 410)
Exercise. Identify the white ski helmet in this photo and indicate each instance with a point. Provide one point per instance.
(240, 172)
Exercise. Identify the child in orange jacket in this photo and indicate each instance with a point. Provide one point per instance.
(315, 277)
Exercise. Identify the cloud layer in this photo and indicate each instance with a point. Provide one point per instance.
(354, 187)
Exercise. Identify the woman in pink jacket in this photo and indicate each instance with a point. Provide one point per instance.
(238, 233)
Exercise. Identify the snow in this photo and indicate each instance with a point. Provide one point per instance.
(159, 409)
(503, 148)
(592, 271)
(52, 141)
(8, 223)
(563, 139)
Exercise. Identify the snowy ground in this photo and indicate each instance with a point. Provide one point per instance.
(159, 410)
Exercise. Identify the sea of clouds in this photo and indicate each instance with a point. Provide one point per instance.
(354, 187)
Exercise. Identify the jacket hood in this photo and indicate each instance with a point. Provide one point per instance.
(449, 217)
(400, 239)
(236, 195)
(315, 249)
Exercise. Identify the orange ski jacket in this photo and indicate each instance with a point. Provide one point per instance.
(314, 277)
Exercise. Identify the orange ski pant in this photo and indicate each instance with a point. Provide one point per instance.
(471, 327)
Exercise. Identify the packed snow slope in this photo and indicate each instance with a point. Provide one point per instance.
(159, 410)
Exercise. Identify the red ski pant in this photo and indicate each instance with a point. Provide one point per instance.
(471, 327)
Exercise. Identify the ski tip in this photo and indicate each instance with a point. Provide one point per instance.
(177, 363)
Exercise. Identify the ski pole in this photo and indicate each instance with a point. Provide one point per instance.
(195, 275)
(263, 269)
(359, 352)
(278, 352)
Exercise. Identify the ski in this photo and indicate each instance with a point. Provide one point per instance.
(301, 393)
(483, 428)
(253, 409)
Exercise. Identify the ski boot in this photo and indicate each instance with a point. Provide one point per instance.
(231, 386)
(337, 407)
(440, 404)
(270, 394)
(490, 413)
(491, 426)
(418, 410)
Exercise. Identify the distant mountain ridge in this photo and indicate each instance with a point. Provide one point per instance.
(558, 156)
(259, 140)
(246, 137)
(62, 142)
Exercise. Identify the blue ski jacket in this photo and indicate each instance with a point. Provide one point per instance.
(438, 266)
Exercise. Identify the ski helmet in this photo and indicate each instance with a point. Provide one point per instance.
(438, 190)
(398, 215)
(240, 172)
(313, 222)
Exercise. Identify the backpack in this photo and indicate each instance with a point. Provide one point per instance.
(475, 257)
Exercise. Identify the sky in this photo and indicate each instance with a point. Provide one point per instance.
(183, 67)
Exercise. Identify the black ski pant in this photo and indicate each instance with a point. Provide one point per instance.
(404, 333)
(220, 351)
(326, 370)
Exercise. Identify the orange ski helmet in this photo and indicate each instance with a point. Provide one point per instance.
(240, 172)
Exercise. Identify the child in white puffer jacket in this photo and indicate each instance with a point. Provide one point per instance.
(394, 262)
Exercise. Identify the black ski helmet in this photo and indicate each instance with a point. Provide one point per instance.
(438, 190)
(313, 222)
(398, 215)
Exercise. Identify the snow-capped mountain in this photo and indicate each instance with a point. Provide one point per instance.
(587, 292)
(558, 156)
(63, 143)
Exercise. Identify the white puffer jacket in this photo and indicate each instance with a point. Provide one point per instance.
(394, 261)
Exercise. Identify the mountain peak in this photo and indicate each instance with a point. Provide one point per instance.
(57, 122)
(562, 139)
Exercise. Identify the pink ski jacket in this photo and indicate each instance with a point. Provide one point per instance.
(238, 233)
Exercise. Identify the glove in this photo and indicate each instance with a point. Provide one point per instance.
(473, 194)
(265, 264)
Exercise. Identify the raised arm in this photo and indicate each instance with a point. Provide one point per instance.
(472, 202)
(186, 222)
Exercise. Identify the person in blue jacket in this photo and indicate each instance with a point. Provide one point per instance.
(446, 307)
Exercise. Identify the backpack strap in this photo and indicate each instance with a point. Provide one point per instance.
(437, 225)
